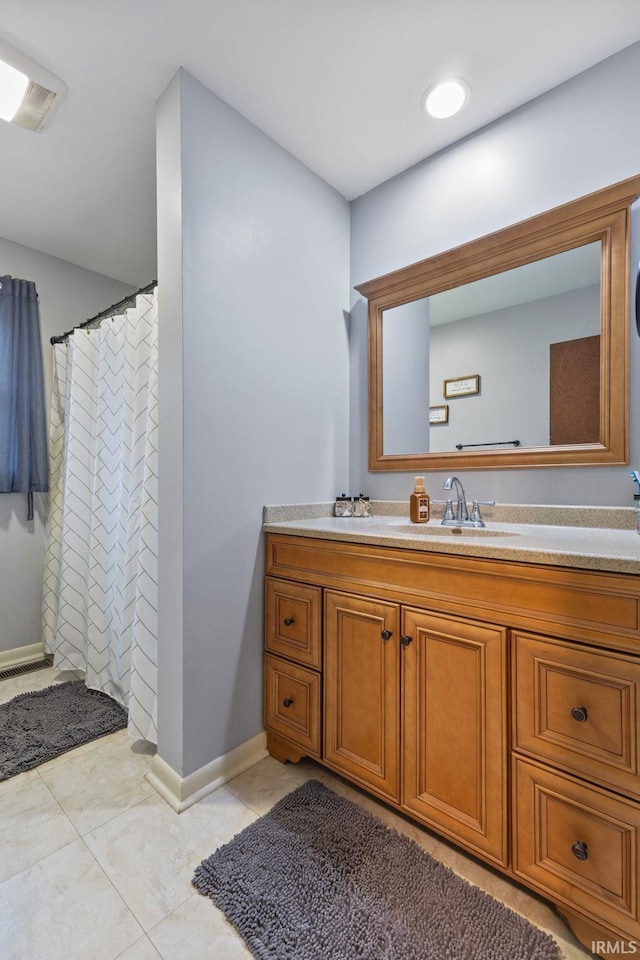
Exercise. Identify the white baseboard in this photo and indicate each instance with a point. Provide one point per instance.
(182, 792)
(20, 656)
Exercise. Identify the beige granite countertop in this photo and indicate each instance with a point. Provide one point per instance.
(602, 538)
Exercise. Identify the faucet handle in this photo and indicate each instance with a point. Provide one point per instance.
(448, 510)
(475, 512)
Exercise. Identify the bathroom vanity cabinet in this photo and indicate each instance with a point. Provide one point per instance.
(494, 702)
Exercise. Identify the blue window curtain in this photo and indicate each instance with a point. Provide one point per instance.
(23, 432)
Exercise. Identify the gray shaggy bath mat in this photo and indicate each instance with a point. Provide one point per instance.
(319, 878)
(38, 726)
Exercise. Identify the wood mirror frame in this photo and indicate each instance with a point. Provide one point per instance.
(601, 216)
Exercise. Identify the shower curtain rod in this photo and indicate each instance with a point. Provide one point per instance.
(105, 313)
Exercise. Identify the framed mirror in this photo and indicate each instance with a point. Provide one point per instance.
(509, 351)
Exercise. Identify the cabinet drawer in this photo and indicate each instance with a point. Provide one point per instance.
(578, 707)
(292, 703)
(292, 621)
(577, 843)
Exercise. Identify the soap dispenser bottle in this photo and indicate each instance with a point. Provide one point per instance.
(419, 503)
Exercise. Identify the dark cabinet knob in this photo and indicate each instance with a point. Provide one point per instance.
(580, 714)
(288, 621)
(405, 640)
(387, 634)
(287, 702)
(579, 850)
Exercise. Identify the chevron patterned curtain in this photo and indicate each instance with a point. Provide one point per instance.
(100, 581)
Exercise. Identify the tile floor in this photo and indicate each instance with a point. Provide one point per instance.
(94, 865)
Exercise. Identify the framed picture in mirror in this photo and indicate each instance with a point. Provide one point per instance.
(461, 386)
(439, 414)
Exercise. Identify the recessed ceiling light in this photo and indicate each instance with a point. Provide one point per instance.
(446, 97)
(29, 94)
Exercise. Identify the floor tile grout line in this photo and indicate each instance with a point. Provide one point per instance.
(225, 786)
(135, 942)
(109, 819)
(130, 909)
(56, 762)
(68, 755)
(194, 893)
(173, 910)
(35, 863)
(52, 852)
(120, 897)
(119, 813)
(62, 810)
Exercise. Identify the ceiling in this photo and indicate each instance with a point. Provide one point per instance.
(337, 82)
(563, 272)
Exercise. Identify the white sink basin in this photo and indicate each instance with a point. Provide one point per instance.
(437, 530)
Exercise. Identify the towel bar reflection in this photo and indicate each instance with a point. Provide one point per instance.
(489, 443)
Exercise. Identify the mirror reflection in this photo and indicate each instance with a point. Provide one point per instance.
(511, 360)
(492, 362)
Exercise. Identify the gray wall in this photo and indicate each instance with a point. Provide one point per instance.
(405, 377)
(170, 427)
(513, 402)
(67, 295)
(263, 361)
(576, 139)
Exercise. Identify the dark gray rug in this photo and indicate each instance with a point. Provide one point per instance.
(38, 726)
(319, 878)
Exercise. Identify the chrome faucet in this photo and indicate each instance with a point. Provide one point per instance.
(462, 513)
(461, 516)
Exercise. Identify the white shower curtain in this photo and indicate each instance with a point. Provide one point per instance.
(100, 578)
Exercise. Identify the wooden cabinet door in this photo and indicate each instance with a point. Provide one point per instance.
(362, 691)
(454, 737)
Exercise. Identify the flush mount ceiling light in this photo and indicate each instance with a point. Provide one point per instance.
(29, 94)
(445, 98)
